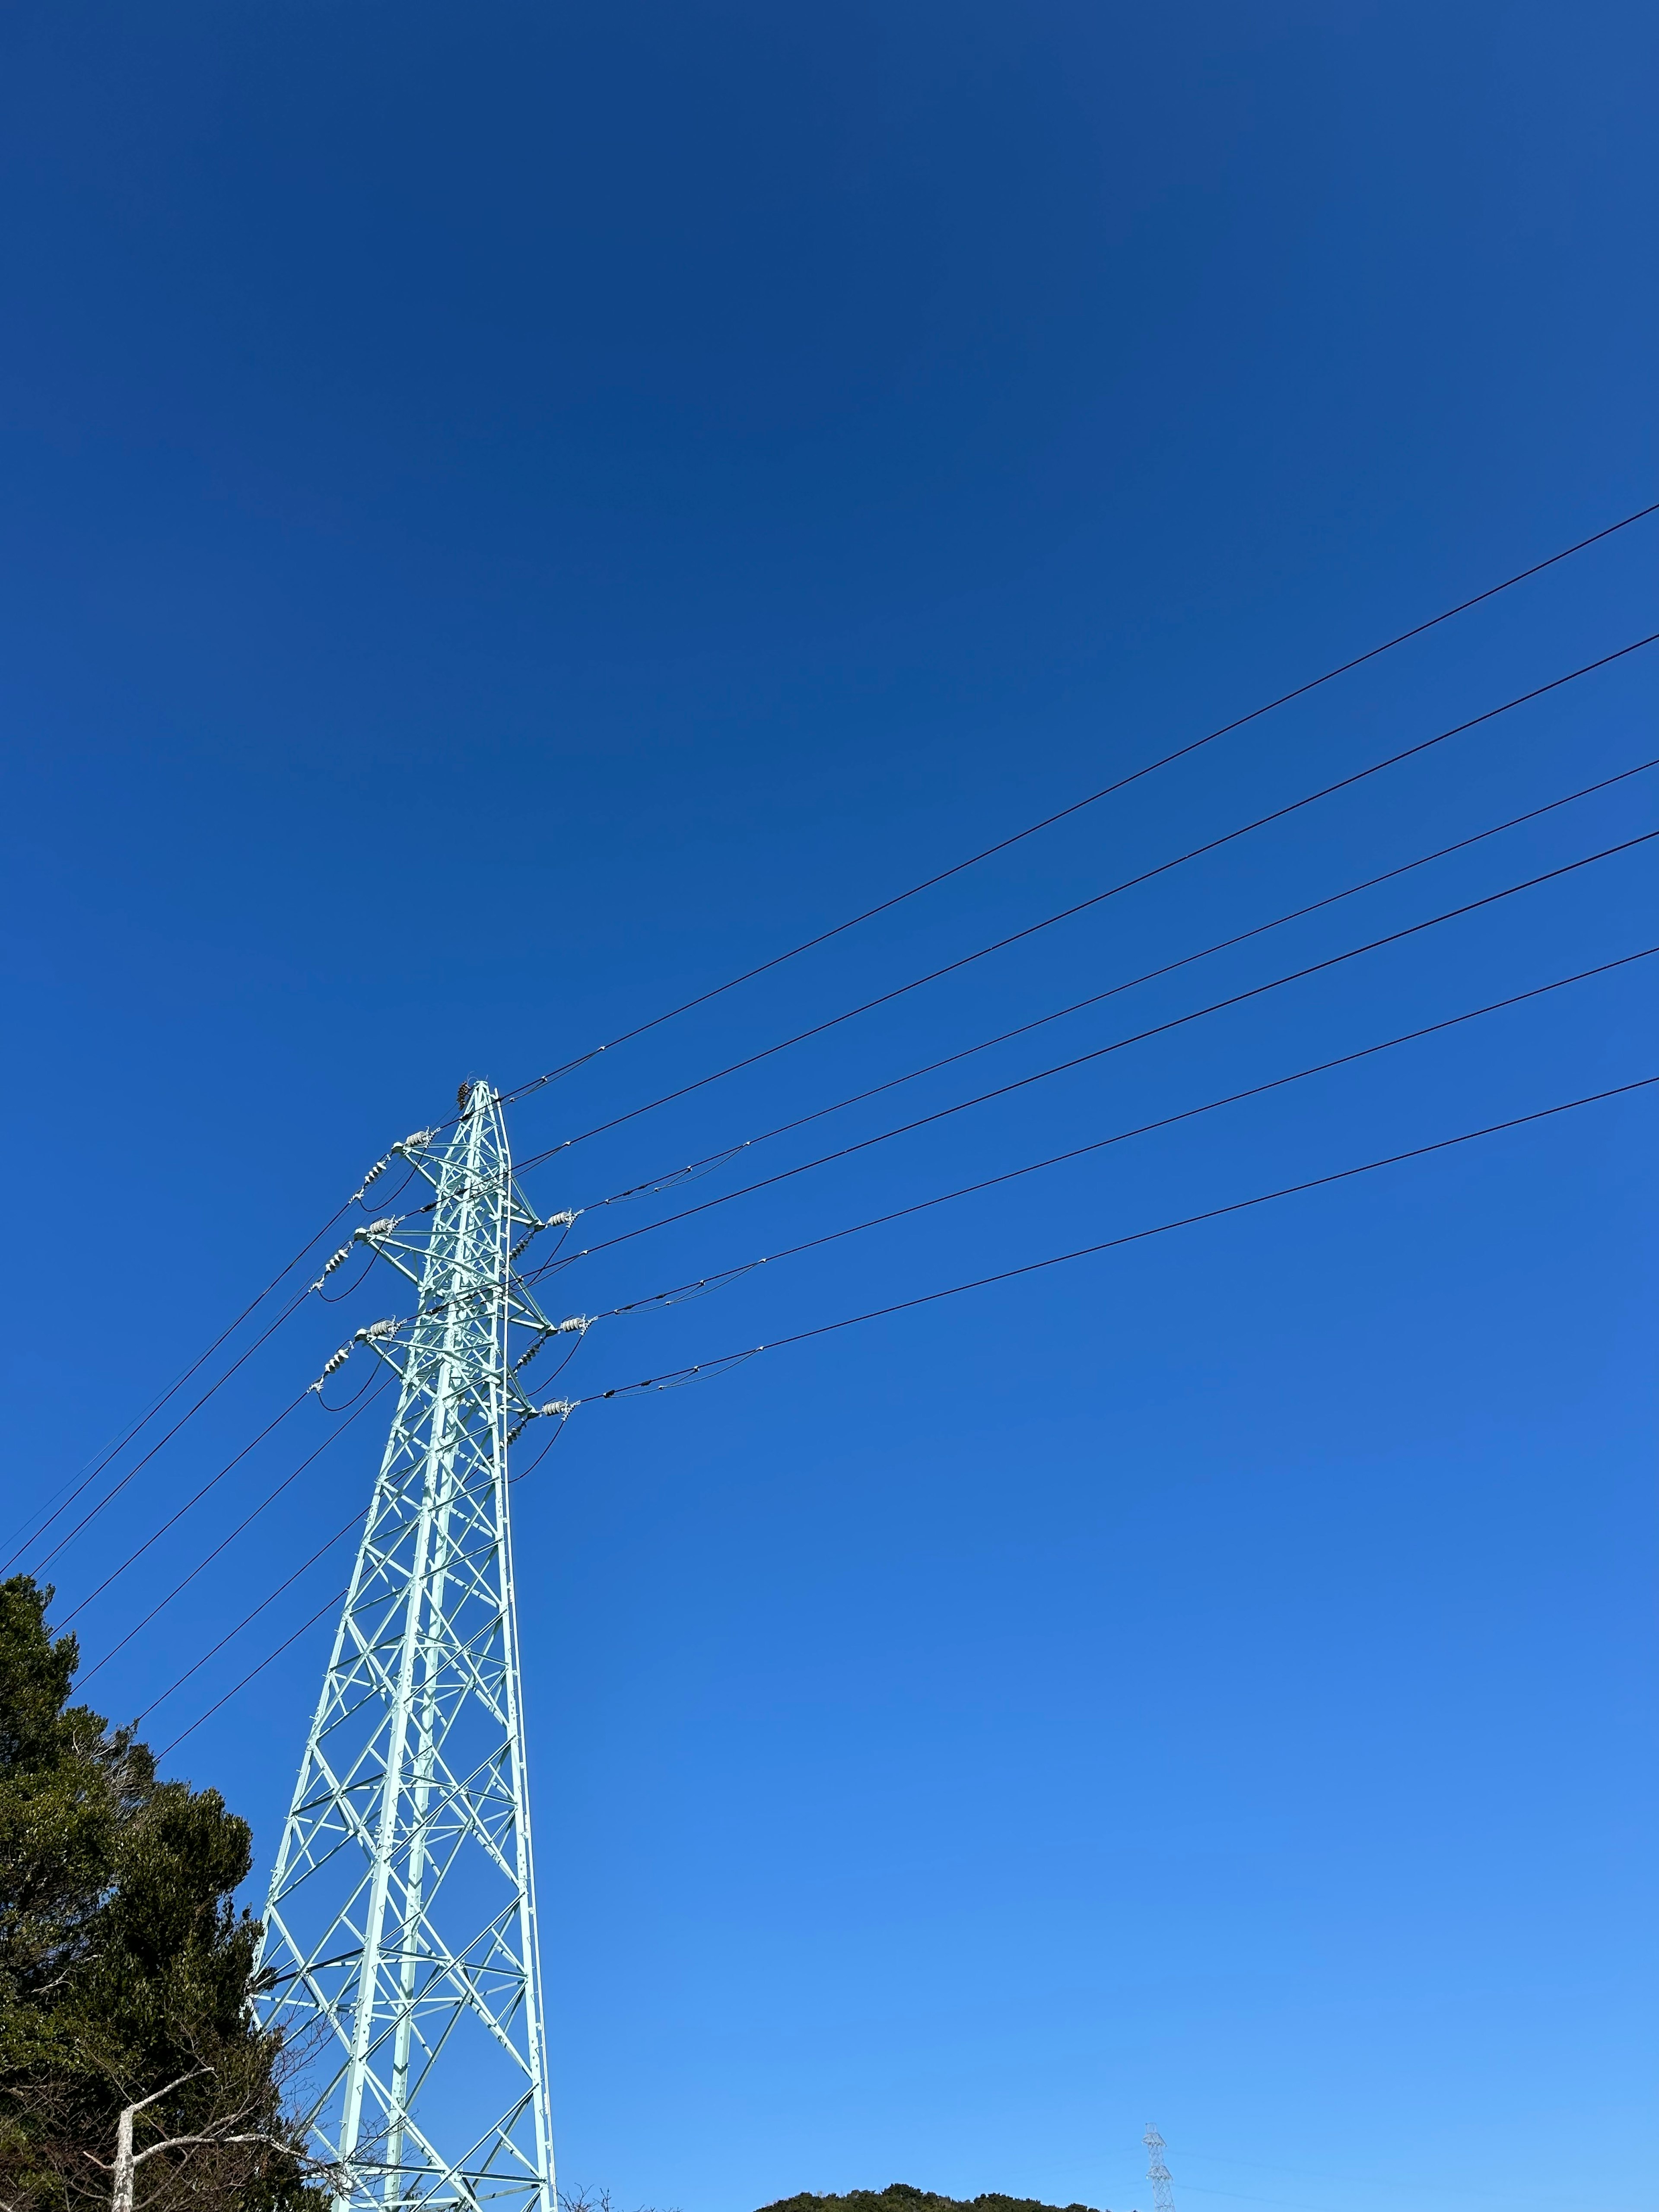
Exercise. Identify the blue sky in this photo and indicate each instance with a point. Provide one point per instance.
(512, 516)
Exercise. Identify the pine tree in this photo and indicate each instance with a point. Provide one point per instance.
(125, 1970)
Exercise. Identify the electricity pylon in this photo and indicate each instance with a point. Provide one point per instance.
(1157, 2172)
(400, 1929)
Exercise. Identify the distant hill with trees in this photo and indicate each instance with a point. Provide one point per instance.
(900, 2197)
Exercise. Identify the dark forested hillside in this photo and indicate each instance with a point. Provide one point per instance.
(900, 2197)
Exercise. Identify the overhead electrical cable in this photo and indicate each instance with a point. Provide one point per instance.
(116, 1489)
(1091, 798)
(247, 1618)
(682, 1291)
(678, 1375)
(1083, 906)
(173, 1388)
(653, 1185)
(327, 1605)
(1100, 1052)
(723, 1276)
(971, 861)
(523, 1473)
(370, 1387)
(292, 1308)
(225, 1542)
(157, 1534)
(928, 882)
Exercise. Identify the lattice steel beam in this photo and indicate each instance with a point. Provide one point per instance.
(401, 1921)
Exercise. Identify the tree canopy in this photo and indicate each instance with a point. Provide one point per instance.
(125, 1966)
(900, 2197)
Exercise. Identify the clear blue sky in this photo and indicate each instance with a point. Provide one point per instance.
(513, 514)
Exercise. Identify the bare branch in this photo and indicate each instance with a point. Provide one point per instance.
(182, 2142)
(155, 2095)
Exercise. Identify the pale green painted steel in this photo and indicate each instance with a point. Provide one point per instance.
(400, 1930)
(1157, 2172)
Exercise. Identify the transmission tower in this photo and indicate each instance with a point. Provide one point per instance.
(400, 1929)
(1157, 2172)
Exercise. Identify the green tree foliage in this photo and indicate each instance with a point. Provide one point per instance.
(900, 2197)
(123, 1964)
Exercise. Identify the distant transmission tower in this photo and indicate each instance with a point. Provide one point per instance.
(400, 1930)
(1157, 2172)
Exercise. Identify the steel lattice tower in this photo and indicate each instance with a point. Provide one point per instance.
(1157, 2172)
(400, 1929)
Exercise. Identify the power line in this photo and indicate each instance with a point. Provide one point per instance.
(115, 1449)
(173, 1388)
(682, 1291)
(1462, 606)
(1048, 922)
(292, 1308)
(1100, 1052)
(1083, 906)
(201, 1564)
(1085, 1059)
(1080, 1060)
(653, 1184)
(112, 1493)
(678, 1375)
(246, 1621)
(973, 859)
(703, 1369)
(1285, 2204)
(1092, 799)
(1306, 2174)
(157, 1534)
(270, 1656)
(1122, 1136)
